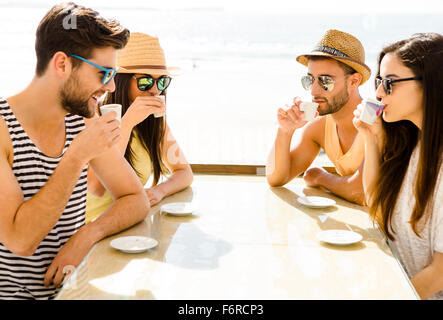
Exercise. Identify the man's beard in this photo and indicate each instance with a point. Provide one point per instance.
(73, 101)
(338, 101)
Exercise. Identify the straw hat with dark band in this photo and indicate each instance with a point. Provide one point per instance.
(343, 47)
(143, 54)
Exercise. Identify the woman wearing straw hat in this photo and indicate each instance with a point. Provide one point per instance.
(403, 171)
(147, 142)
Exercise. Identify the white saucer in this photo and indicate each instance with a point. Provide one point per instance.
(316, 202)
(339, 237)
(133, 244)
(178, 208)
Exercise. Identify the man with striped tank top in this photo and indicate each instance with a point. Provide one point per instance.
(46, 147)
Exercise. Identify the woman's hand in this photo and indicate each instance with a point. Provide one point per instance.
(141, 108)
(375, 129)
(372, 132)
(155, 195)
(374, 140)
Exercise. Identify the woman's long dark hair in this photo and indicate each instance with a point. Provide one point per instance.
(151, 131)
(423, 55)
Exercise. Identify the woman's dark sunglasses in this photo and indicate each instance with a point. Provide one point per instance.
(387, 83)
(147, 82)
(327, 82)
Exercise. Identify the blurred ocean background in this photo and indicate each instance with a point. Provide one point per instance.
(237, 58)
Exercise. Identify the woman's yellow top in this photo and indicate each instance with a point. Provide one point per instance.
(142, 163)
(348, 163)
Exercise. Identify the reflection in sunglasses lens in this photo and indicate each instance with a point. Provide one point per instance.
(306, 82)
(145, 83)
(163, 83)
(327, 82)
(387, 87)
(108, 77)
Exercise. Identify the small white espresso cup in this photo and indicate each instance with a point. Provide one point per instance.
(371, 110)
(160, 114)
(112, 107)
(309, 108)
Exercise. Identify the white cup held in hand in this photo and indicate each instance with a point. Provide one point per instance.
(112, 107)
(160, 114)
(309, 108)
(371, 110)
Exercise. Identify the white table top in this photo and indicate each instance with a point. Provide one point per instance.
(245, 241)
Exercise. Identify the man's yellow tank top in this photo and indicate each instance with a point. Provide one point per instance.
(348, 163)
(142, 163)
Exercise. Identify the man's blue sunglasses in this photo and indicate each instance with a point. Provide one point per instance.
(109, 72)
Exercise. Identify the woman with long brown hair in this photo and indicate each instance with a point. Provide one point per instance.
(147, 142)
(403, 174)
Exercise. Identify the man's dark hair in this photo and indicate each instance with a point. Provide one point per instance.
(74, 29)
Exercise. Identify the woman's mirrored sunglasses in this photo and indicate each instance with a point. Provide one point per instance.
(387, 83)
(146, 82)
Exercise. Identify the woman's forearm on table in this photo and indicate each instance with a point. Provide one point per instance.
(179, 180)
(428, 282)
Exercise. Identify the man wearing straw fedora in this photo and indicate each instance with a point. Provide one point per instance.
(336, 69)
(45, 150)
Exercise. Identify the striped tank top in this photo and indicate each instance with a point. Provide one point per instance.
(22, 277)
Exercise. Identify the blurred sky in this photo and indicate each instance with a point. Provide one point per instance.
(239, 125)
(321, 6)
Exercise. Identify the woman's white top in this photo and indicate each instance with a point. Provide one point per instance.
(416, 253)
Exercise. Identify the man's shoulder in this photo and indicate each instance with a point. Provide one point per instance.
(315, 129)
(74, 123)
(5, 111)
(4, 106)
(5, 140)
(317, 123)
(74, 117)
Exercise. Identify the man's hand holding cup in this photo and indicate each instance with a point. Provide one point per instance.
(294, 117)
